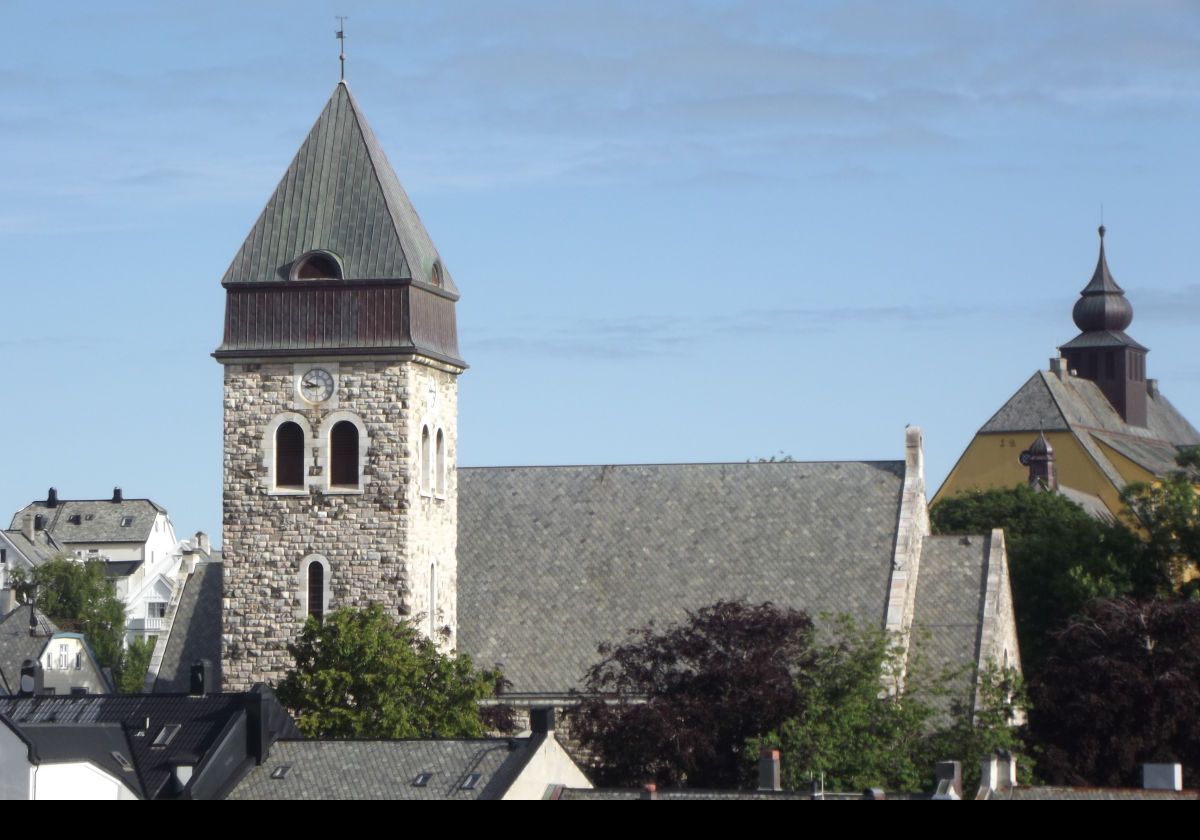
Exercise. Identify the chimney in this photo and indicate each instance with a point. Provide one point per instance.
(31, 678)
(201, 678)
(999, 774)
(649, 791)
(203, 544)
(1060, 368)
(39, 522)
(52, 498)
(949, 780)
(117, 496)
(1152, 388)
(1162, 776)
(541, 720)
(768, 770)
(33, 622)
(27, 526)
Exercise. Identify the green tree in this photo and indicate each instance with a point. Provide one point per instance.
(1168, 514)
(79, 598)
(846, 730)
(131, 676)
(1059, 557)
(359, 674)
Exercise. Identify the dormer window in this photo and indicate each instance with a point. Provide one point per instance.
(317, 265)
(435, 275)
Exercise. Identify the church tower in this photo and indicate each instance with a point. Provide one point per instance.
(1102, 352)
(341, 365)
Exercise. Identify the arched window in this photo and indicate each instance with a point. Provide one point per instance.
(343, 455)
(314, 587)
(316, 591)
(317, 265)
(440, 486)
(426, 461)
(289, 456)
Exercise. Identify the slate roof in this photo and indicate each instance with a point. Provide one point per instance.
(1050, 792)
(16, 645)
(552, 561)
(339, 194)
(1049, 403)
(386, 769)
(947, 621)
(1046, 402)
(195, 630)
(98, 521)
(36, 551)
(202, 720)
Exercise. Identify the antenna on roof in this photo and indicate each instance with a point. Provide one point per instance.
(341, 36)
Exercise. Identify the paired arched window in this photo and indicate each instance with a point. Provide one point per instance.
(289, 456)
(343, 455)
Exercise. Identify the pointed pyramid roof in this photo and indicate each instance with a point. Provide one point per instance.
(340, 195)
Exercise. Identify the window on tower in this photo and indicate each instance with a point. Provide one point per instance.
(313, 588)
(440, 486)
(343, 455)
(317, 265)
(426, 461)
(289, 456)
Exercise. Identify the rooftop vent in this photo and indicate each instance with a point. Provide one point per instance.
(281, 772)
(422, 780)
(117, 495)
(126, 521)
(52, 498)
(471, 781)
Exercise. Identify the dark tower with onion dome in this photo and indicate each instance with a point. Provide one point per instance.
(1102, 352)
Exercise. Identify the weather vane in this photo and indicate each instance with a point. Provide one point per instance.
(341, 36)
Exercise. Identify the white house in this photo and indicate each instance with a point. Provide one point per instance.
(133, 537)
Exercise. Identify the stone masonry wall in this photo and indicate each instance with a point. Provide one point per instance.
(380, 544)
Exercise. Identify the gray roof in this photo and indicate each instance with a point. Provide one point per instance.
(1050, 792)
(947, 620)
(195, 630)
(386, 769)
(552, 561)
(95, 521)
(37, 551)
(1047, 402)
(16, 645)
(339, 194)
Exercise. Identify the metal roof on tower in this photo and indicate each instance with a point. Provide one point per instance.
(338, 262)
(340, 195)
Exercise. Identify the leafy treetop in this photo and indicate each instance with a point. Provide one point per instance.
(360, 674)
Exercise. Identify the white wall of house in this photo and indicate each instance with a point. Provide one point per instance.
(77, 780)
(66, 664)
(550, 765)
(16, 773)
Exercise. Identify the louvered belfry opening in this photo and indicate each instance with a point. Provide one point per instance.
(316, 591)
(343, 447)
(289, 456)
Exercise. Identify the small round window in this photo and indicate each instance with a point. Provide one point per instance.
(317, 265)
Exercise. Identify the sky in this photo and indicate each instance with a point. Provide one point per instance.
(683, 231)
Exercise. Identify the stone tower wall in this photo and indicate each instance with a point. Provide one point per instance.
(380, 543)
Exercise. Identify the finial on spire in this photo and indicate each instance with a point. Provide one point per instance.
(1102, 229)
(341, 36)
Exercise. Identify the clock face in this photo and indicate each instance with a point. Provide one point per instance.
(316, 385)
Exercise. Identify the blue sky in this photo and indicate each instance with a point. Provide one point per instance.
(699, 231)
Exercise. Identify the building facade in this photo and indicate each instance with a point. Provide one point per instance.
(341, 364)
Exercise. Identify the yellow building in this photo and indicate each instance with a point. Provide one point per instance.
(1105, 423)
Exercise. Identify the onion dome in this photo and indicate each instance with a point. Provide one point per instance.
(1102, 304)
